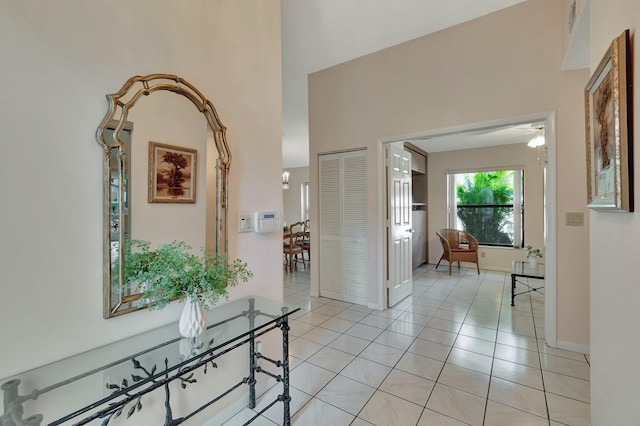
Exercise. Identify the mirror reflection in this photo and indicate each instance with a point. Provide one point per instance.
(171, 123)
(115, 183)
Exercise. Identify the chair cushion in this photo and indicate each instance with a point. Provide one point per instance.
(462, 250)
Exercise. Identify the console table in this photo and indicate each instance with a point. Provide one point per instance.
(522, 269)
(99, 385)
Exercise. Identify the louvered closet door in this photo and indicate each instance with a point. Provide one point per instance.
(331, 226)
(343, 226)
(354, 227)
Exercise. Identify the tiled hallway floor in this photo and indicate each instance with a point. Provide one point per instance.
(454, 353)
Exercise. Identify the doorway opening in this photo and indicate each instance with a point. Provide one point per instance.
(481, 135)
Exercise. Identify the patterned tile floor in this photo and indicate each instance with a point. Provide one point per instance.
(453, 353)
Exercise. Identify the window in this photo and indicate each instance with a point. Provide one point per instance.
(304, 197)
(488, 205)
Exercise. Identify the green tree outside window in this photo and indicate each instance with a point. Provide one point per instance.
(494, 223)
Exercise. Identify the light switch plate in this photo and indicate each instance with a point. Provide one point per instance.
(245, 223)
(575, 219)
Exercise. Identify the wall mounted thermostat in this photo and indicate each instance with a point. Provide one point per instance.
(265, 222)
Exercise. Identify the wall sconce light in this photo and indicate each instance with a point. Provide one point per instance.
(285, 180)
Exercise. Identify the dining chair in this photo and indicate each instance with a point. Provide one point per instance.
(306, 239)
(292, 245)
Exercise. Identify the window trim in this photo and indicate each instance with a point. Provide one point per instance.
(304, 201)
(518, 197)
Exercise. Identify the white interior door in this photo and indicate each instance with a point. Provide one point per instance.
(400, 282)
(330, 190)
(354, 228)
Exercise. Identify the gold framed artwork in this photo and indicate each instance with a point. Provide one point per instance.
(609, 138)
(172, 173)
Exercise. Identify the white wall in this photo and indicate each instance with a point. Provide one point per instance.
(575, 35)
(507, 156)
(59, 60)
(615, 339)
(169, 119)
(506, 64)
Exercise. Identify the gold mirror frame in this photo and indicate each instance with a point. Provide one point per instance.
(120, 103)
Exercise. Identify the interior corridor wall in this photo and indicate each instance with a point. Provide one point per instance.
(59, 60)
(613, 262)
(505, 64)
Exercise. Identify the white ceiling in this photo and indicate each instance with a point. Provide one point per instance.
(317, 34)
(477, 138)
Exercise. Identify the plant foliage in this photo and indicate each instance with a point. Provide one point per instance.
(487, 224)
(534, 253)
(172, 272)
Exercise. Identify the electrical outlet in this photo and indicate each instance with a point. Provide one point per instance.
(482, 254)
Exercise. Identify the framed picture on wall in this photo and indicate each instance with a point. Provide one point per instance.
(609, 138)
(172, 173)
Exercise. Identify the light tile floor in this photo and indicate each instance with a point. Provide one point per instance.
(453, 353)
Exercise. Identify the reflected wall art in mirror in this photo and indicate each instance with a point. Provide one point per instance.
(149, 175)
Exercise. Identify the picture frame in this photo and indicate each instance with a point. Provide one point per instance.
(609, 138)
(172, 173)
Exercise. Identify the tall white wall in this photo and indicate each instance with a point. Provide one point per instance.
(59, 60)
(505, 64)
(615, 339)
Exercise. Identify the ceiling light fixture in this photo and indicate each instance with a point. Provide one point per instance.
(536, 142)
(538, 139)
(285, 180)
(539, 142)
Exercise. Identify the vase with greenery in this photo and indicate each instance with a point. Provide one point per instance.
(533, 254)
(173, 272)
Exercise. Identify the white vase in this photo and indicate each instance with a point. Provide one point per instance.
(193, 320)
(533, 263)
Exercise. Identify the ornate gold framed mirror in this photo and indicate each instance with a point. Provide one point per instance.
(115, 136)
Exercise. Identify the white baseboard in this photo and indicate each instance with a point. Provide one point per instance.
(375, 306)
(574, 347)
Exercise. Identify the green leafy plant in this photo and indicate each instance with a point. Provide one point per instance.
(172, 272)
(534, 253)
(488, 225)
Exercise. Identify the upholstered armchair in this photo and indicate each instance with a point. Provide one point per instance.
(458, 246)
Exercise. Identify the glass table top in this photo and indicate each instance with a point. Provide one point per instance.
(82, 382)
(522, 269)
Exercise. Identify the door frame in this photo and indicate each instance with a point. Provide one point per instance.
(550, 205)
